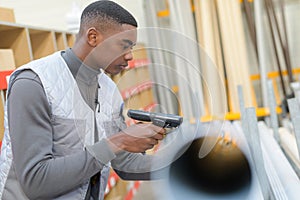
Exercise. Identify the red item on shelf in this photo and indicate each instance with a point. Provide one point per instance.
(133, 190)
(3, 78)
(136, 89)
(138, 63)
(112, 181)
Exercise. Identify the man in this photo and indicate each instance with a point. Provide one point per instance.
(64, 126)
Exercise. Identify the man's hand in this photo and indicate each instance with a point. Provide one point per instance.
(137, 138)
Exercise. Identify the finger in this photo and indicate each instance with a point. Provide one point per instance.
(163, 131)
(155, 141)
(157, 128)
(150, 146)
(159, 136)
(152, 141)
(154, 128)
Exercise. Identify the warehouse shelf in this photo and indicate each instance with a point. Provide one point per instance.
(114, 178)
(138, 63)
(42, 43)
(112, 181)
(16, 38)
(127, 93)
(132, 190)
(260, 112)
(274, 76)
(60, 41)
(166, 12)
(70, 39)
(28, 43)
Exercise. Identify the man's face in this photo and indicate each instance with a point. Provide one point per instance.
(114, 52)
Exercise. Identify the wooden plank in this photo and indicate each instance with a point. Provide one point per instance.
(211, 58)
(225, 28)
(234, 49)
(243, 54)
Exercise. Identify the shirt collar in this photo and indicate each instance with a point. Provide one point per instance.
(80, 70)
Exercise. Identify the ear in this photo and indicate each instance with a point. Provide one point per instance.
(93, 37)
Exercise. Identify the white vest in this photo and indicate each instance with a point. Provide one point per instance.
(66, 102)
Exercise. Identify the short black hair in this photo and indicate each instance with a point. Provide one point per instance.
(103, 14)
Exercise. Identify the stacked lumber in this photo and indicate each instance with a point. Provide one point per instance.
(212, 66)
(235, 52)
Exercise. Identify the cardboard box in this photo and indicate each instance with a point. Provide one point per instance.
(133, 102)
(119, 191)
(147, 97)
(7, 15)
(143, 74)
(116, 78)
(7, 60)
(128, 79)
(139, 52)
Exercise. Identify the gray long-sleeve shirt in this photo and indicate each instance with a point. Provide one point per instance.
(29, 112)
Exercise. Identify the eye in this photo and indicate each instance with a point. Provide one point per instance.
(127, 44)
(125, 47)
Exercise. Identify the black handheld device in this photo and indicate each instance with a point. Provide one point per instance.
(158, 119)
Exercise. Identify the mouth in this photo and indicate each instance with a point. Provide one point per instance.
(122, 67)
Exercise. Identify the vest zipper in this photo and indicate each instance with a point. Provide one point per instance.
(98, 104)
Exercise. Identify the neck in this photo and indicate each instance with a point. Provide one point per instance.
(82, 51)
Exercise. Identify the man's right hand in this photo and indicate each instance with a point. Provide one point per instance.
(137, 138)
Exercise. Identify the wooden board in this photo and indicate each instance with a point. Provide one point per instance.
(211, 58)
(235, 53)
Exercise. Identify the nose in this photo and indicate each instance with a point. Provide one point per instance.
(128, 56)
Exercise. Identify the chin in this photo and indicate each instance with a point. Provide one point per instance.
(112, 72)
